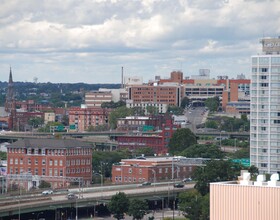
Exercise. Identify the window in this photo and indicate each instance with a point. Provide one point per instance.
(130, 170)
(43, 162)
(140, 171)
(43, 171)
(263, 165)
(36, 161)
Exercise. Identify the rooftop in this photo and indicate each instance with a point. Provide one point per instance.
(49, 143)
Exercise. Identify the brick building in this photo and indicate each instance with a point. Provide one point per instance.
(49, 159)
(139, 123)
(167, 94)
(159, 142)
(84, 118)
(154, 169)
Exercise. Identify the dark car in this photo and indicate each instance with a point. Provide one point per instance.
(179, 185)
(72, 196)
(146, 184)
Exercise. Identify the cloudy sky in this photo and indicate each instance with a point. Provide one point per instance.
(90, 40)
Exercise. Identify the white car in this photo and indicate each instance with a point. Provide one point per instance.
(47, 192)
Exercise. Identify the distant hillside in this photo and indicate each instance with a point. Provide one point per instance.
(55, 93)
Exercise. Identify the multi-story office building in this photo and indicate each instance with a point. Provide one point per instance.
(164, 94)
(52, 160)
(96, 98)
(84, 118)
(265, 108)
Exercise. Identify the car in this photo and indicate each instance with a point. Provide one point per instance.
(187, 180)
(47, 192)
(179, 185)
(146, 184)
(71, 196)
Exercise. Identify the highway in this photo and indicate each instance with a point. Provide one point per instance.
(39, 202)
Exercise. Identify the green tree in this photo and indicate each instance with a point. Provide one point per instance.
(118, 205)
(147, 151)
(185, 102)
(44, 184)
(242, 153)
(205, 207)
(212, 103)
(102, 161)
(215, 171)
(190, 204)
(138, 209)
(180, 140)
(253, 170)
(3, 155)
(119, 112)
(35, 121)
(138, 111)
(204, 151)
(152, 110)
(211, 124)
(175, 110)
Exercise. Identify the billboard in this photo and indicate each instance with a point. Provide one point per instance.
(271, 45)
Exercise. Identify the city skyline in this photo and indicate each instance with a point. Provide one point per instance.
(90, 41)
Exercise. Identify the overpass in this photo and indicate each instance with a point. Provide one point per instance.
(56, 206)
(13, 136)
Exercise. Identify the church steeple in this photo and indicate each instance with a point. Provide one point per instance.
(11, 76)
(10, 105)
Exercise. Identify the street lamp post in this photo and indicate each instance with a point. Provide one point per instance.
(162, 205)
(76, 208)
(39, 214)
(154, 172)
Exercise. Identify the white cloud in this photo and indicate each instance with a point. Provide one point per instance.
(49, 38)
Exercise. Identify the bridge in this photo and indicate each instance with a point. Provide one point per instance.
(57, 206)
(13, 136)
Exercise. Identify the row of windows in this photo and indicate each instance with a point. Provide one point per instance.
(164, 170)
(52, 172)
(265, 144)
(52, 162)
(129, 179)
(265, 60)
(56, 152)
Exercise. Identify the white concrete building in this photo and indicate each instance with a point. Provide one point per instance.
(265, 108)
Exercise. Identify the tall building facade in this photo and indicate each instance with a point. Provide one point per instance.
(265, 108)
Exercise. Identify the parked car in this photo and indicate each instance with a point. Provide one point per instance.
(179, 185)
(47, 192)
(71, 196)
(146, 184)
